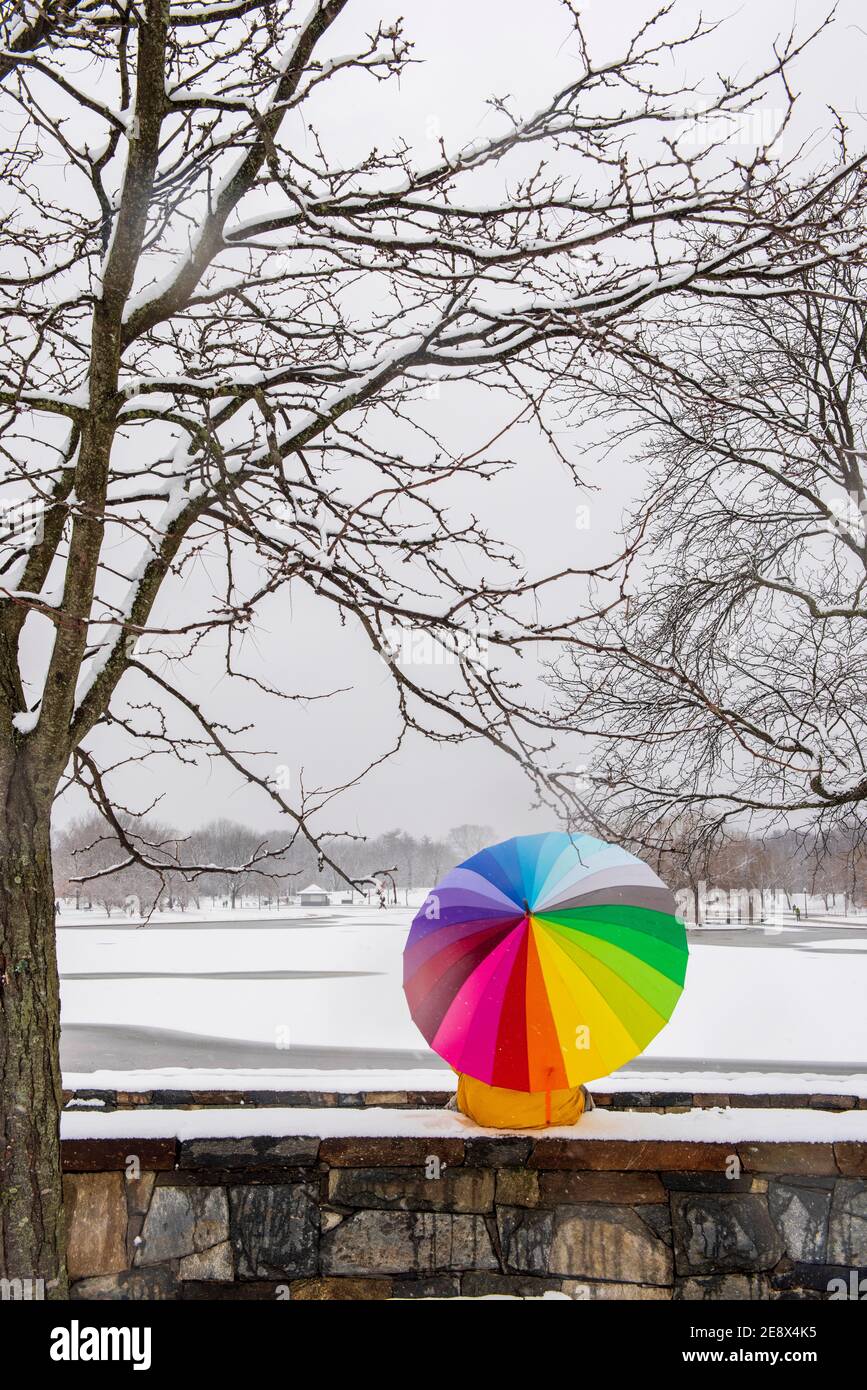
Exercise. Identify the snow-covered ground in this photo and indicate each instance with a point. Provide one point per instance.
(312, 999)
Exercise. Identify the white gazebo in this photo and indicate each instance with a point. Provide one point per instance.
(313, 896)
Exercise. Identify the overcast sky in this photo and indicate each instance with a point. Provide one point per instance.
(470, 51)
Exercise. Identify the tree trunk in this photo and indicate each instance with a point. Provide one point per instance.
(31, 1202)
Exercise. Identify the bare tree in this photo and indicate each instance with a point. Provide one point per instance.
(214, 332)
(725, 688)
(469, 839)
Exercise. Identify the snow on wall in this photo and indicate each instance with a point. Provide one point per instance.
(708, 1126)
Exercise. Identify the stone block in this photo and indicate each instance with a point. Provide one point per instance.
(658, 1218)
(831, 1102)
(625, 1189)
(801, 1214)
(602, 1241)
(525, 1238)
(407, 1242)
(713, 1182)
(145, 1285)
(595, 1291)
(620, 1155)
(96, 1216)
(725, 1287)
(785, 1159)
(720, 1234)
(428, 1100)
(271, 1175)
(365, 1152)
(847, 1228)
(230, 1100)
(406, 1189)
(182, 1221)
(790, 1275)
(275, 1229)
(138, 1193)
(517, 1187)
(436, 1286)
(172, 1100)
(851, 1159)
(507, 1285)
(227, 1290)
(298, 1151)
(214, 1263)
(107, 1155)
(507, 1152)
(340, 1290)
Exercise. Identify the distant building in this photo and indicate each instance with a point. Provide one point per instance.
(313, 896)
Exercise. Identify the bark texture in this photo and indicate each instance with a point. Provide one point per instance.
(31, 1213)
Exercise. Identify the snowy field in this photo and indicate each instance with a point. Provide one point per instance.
(312, 999)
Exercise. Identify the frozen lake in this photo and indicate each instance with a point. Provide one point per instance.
(317, 993)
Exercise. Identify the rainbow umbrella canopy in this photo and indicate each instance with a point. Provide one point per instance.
(545, 961)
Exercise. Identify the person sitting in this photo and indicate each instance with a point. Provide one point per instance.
(496, 1107)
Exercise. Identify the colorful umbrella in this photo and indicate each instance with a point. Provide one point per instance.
(545, 961)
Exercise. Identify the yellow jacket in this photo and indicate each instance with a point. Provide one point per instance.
(497, 1108)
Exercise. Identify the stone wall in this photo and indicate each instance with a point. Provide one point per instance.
(659, 1102)
(376, 1218)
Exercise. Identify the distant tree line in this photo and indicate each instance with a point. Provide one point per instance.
(760, 872)
(92, 866)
